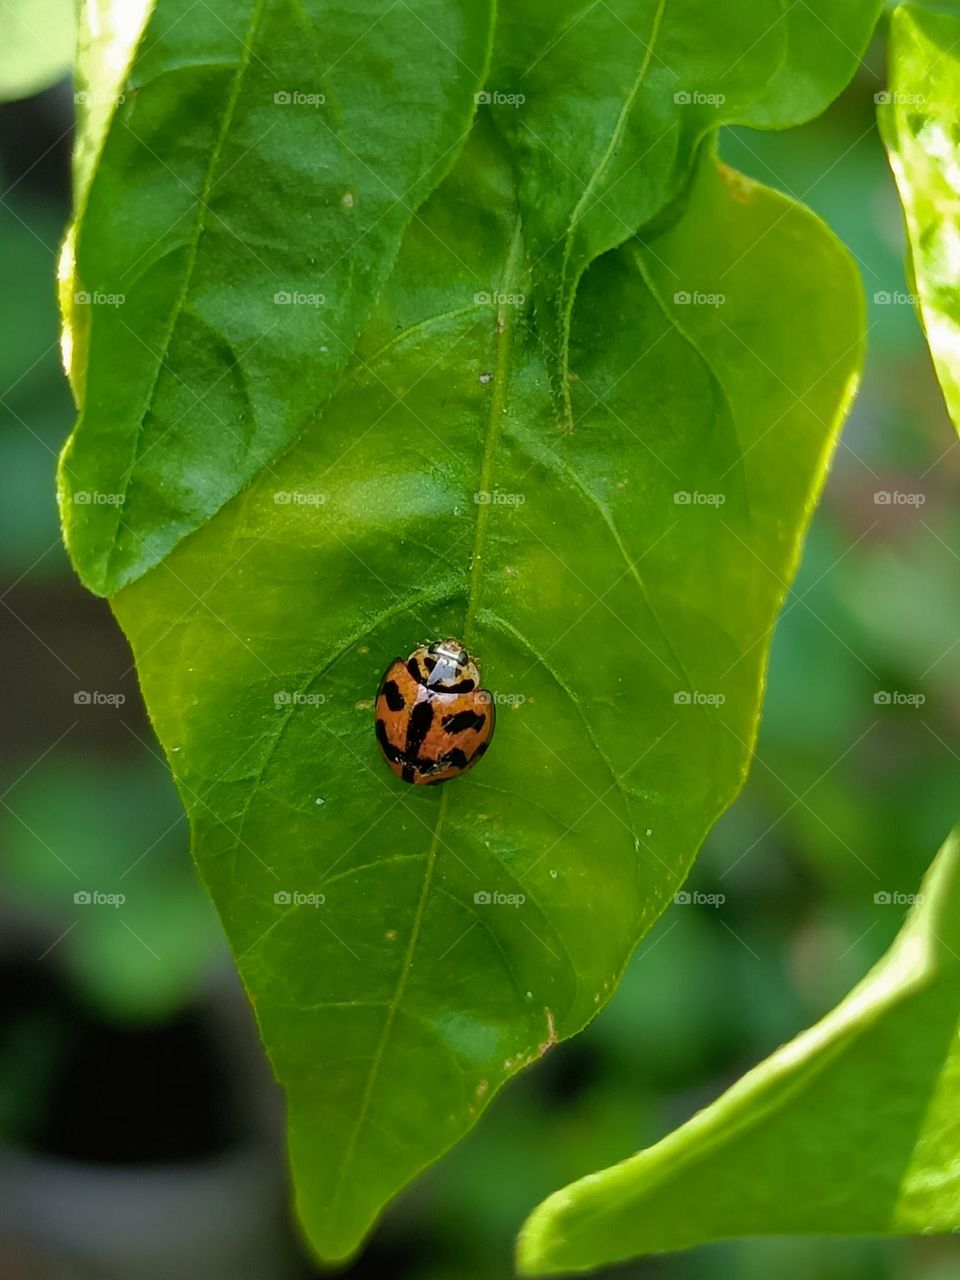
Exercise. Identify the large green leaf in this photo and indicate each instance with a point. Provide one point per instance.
(619, 588)
(853, 1128)
(288, 495)
(920, 121)
(214, 300)
(605, 105)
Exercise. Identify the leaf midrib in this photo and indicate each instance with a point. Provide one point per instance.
(497, 404)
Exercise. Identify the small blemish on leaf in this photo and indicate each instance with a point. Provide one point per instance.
(482, 1088)
(390, 935)
(364, 704)
(740, 187)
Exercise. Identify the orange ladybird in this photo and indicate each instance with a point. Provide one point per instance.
(434, 722)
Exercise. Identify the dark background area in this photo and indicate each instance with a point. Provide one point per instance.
(131, 1083)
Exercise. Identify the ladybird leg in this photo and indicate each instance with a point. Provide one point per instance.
(453, 759)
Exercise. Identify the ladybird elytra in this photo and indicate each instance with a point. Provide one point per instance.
(433, 721)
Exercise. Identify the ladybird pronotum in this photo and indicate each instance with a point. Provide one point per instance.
(433, 721)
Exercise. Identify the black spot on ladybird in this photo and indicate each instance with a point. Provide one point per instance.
(421, 718)
(463, 720)
(394, 697)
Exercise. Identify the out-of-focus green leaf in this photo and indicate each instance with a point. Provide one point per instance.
(618, 582)
(212, 302)
(851, 1129)
(102, 852)
(36, 45)
(920, 121)
(606, 104)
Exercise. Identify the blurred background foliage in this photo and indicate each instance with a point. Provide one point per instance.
(848, 798)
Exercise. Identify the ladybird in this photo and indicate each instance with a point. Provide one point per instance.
(434, 722)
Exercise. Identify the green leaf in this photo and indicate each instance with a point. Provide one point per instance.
(624, 629)
(851, 1129)
(219, 295)
(920, 122)
(606, 104)
(36, 45)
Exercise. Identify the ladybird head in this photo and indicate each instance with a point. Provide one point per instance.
(447, 667)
